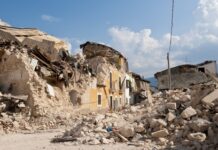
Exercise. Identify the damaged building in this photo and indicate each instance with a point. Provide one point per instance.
(110, 68)
(184, 76)
(40, 78)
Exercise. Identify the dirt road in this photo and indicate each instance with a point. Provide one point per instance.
(41, 141)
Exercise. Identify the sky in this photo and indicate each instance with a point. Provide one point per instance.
(138, 29)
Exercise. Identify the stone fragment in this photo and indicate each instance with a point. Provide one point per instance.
(157, 123)
(2, 107)
(94, 141)
(133, 109)
(170, 117)
(171, 106)
(105, 141)
(160, 133)
(162, 141)
(127, 131)
(21, 105)
(139, 128)
(199, 137)
(188, 112)
(50, 90)
(100, 130)
(99, 118)
(199, 125)
(161, 122)
(210, 97)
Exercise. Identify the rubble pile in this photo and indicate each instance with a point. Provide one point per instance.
(176, 119)
(13, 113)
(32, 87)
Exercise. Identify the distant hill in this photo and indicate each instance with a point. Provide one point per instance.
(153, 81)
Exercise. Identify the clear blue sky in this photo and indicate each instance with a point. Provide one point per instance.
(90, 19)
(114, 22)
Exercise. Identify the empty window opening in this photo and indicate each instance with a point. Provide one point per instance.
(99, 100)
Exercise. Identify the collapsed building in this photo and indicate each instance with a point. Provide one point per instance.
(184, 76)
(38, 76)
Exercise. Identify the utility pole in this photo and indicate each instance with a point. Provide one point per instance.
(169, 71)
(170, 46)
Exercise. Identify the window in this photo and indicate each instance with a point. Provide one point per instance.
(99, 100)
(111, 102)
(120, 84)
(127, 83)
(120, 101)
(201, 69)
(110, 80)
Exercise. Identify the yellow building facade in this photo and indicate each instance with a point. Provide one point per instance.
(107, 93)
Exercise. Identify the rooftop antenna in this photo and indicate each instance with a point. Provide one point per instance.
(170, 47)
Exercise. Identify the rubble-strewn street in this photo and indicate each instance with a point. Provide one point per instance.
(42, 141)
(173, 121)
(98, 101)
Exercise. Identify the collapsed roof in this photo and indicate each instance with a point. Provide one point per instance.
(100, 51)
(50, 46)
(92, 49)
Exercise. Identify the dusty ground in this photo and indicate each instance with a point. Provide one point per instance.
(41, 141)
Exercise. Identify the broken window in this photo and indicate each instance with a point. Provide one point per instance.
(201, 69)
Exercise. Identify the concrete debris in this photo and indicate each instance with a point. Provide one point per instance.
(93, 93)
(209, 99)
(171, 106)
(188, 112)
(170, 117)
(160, 133)
(170, 122)
(199, 137)
(200, 125)
(50, 90)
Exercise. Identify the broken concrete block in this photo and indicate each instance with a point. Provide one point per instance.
(211, 97)
(105, 141)
(171, 106)
(33, 63)
(161, 133)
(21, 105)
(199, 137)
(199, 125)
(94, 141)
(50, 90)
(188, 112)
(127, 131)
(170, 117)
(161, 122)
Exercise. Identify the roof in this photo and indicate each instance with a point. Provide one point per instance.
(20, 34)
(98, 44)
(206, 62)
(138, 77)
(173, 69)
